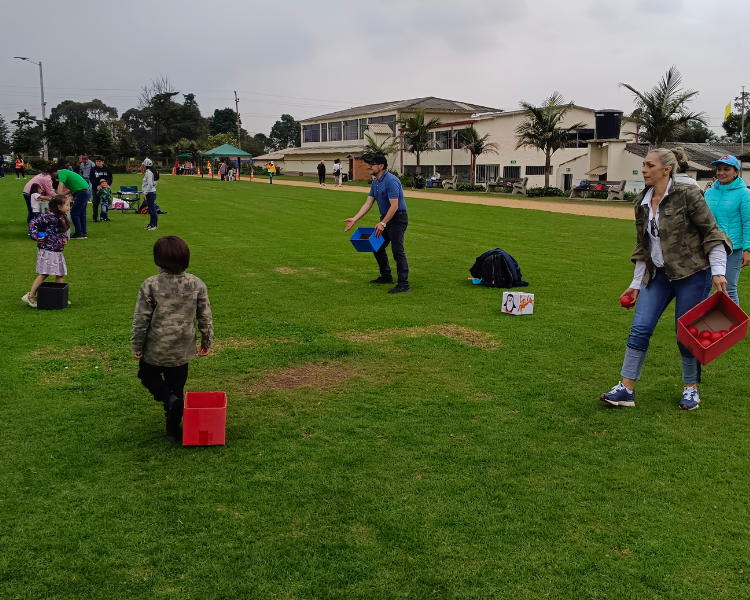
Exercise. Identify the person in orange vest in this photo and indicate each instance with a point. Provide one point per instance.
(271, 170)
(20, 167)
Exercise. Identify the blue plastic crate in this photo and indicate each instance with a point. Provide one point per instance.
(364, 240)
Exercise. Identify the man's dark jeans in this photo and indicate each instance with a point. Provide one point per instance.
(27, 197)
(393, 234)
(78, 211)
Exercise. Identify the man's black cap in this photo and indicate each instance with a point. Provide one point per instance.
(377, 159)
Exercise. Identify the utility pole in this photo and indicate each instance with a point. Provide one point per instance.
(742, 130)
(44, 112)
(237, 105)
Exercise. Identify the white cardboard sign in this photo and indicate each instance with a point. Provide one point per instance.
(518, 303)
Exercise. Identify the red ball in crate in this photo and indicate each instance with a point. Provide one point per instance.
(626, 301)
(693, 330)
(733, 327)
(705, 343)
(715, 336)
(723, 332)
(705, 334)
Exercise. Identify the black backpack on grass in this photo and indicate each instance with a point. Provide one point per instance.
(497, 268)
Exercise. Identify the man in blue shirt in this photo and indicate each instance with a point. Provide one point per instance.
(386, 190)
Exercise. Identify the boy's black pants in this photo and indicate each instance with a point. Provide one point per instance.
(163, 381)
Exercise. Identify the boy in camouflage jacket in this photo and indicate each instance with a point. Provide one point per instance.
(164, 336)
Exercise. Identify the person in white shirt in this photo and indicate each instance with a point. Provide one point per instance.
(337, 172)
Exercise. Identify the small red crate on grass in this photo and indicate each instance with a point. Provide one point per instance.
(716, 313)
(204, 419)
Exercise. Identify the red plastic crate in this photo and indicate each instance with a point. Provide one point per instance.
(715, 313)
(204, 419)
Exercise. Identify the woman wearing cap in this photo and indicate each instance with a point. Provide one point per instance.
(679, 253)
(148, 187)
(729, 201)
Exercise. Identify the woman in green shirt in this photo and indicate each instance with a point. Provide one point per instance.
(81, 192)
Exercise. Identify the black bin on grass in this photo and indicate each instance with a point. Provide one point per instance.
(52, 296)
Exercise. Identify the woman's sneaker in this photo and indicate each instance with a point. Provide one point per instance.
(30, 300)
(619, 396)
(690, 398)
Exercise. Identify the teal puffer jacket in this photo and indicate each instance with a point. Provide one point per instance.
(730, 205)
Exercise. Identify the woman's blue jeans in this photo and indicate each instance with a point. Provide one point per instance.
(652, 302)
(78, 212)
(151, 199)
(734, 268)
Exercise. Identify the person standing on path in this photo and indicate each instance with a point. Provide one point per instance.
(80, 189)
(337, 171)
(44, 180)
(148, 187)
(679, 253)
(322, 173)
(729, 201)
(386, 190)
(100, 172)
(271, 171)
(20, 169)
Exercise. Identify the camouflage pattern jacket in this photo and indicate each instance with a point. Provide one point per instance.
(164, 321)
(687, 230)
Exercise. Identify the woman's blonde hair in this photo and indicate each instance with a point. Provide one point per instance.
(668, 159)
(682, 159)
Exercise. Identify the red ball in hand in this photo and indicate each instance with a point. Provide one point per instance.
(715, 336)
(705, 343)
(705, 334)
(693, 330)
(626, 301)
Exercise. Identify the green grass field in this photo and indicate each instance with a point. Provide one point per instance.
(444, 450)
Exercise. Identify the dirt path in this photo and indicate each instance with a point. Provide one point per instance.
(624, 212)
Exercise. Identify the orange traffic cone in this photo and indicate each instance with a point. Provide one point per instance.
(252, 175)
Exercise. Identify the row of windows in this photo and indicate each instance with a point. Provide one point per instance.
(351, 129)
(487, 173)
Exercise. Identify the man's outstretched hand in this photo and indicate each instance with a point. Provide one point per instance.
(349, 223)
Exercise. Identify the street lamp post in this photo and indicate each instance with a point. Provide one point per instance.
(44, 112)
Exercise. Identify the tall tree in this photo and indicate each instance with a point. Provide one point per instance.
(4, 136)
(285, 133)
(696, 133)
(662, 113)
(223, 121)
(102, 140)
(139, 129)
(27, 138)
(542, 128)
(255, 145)
(733, 126)
(372, 146)
(477, 145)
(415, 134)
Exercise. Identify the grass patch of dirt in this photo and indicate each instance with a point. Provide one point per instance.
(285, 270)
(471, 337)
(319, 375)
(71, 360)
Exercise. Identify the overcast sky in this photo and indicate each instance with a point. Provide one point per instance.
(309, 58)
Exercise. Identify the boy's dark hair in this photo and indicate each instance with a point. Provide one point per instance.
(172, 254)
(100, 157)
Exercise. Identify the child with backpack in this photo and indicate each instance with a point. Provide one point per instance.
(164, 337)
(50, 232)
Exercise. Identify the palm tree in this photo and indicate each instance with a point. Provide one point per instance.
(416, 134)
(662, 113)
(541, 128)
(476, 145)
(386, 147)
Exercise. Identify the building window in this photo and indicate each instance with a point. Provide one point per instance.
(362, 128)
(311, 133)
(442, 140)
(350, 129)
(334, 131)
(324, 132)
(389, 120)
(511, 172)
(537, 170)
(487, 173)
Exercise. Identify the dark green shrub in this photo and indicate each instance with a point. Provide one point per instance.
(469, 187)
(630, 195)
(545, 192)
(407, 181)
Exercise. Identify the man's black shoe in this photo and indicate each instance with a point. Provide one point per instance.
(382, 279)
(173, 408)
(401, 287)
(161, 212)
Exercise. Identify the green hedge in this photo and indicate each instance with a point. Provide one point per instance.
(469, 187)
(545, 192)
